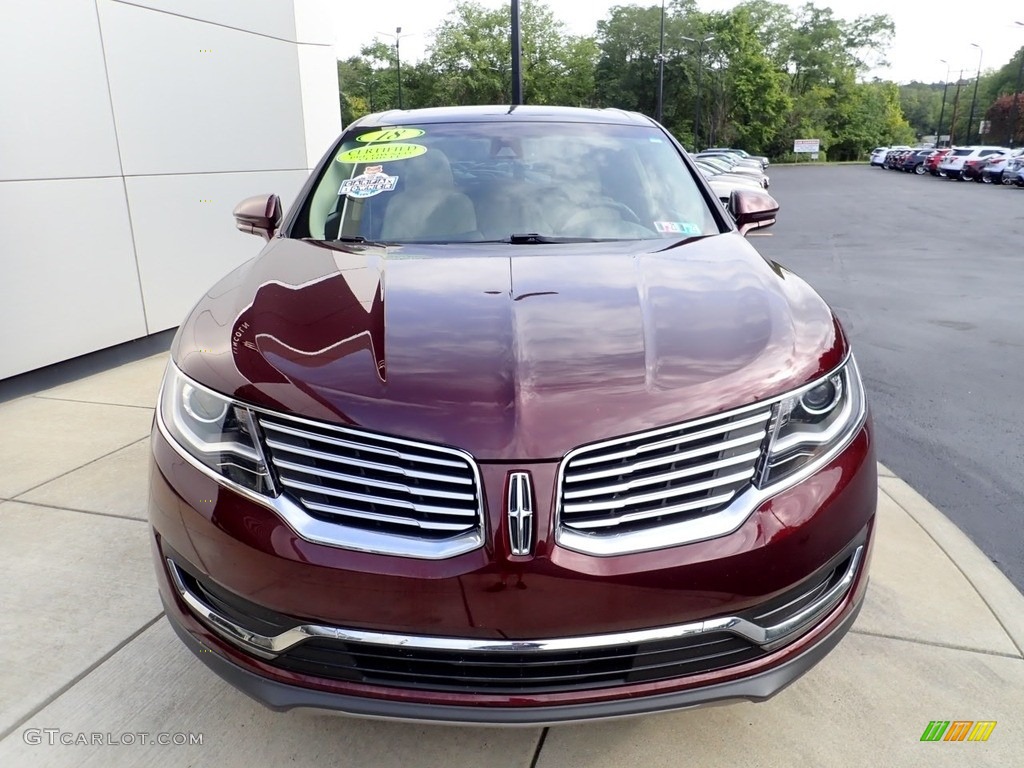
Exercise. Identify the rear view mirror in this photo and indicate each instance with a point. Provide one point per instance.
(752, 209)
(259, 215)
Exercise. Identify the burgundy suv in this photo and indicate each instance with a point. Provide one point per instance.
(508, 423)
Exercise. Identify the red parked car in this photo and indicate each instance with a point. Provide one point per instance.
(932, 163)
(508, 423)
(974, 169)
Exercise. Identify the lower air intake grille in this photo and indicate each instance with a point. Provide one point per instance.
(536, 671)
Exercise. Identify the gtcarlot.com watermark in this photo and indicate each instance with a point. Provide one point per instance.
(55, 736)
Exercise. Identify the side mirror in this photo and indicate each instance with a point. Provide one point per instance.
(259, 215)
(752, 209)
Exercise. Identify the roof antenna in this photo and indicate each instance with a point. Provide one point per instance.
(517, 73)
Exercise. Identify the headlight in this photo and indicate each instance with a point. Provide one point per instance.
(215, 430)
(813, 422)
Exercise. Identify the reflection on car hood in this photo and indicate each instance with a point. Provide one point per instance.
(510, 352)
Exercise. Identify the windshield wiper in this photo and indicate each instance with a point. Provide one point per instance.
(348, 240)
(532, 238)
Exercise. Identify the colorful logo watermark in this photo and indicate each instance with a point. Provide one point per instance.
(958, 730)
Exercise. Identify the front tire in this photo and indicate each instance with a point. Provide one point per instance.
(920, 169)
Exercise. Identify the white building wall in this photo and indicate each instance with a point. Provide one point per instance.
(128, 133)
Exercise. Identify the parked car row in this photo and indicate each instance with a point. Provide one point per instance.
(727, 170)
(983, 164)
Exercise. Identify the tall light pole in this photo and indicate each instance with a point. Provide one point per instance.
(659, 111)
(942, 112)
(368, 85)
(974, 99)
(696, 113)
(398, 57)
(956, 103)
(517, 51)
(1016, 95)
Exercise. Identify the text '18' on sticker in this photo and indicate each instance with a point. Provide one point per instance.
(390, 134)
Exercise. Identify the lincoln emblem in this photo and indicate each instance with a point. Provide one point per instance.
(520, 513)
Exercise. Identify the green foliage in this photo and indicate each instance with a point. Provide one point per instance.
(769, 74)
(472, 49)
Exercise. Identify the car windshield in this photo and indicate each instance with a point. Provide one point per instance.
(498, 181)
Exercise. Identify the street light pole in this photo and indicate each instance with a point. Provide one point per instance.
(659, 109)
(368, 85)
(1016, 95)
(974, 99)
(517, 72)
(956, 104)
(696, 113)
(942, 112)
(398, 57)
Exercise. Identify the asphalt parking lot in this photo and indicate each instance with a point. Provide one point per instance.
(927, 275)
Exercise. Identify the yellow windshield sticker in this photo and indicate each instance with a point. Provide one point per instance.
(390, 134)
(381, 153)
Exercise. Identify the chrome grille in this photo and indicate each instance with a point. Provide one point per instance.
(374, 482)
(662, 477)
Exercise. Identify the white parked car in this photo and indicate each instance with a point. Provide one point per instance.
(1014, 171)
(952, 165)
(878, 153)
(996, 171)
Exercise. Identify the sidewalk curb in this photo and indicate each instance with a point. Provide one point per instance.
(1001, 596)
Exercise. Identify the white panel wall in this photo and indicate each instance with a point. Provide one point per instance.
(55, 118)
(165, 113)
(196, 97)
(318, 74)
(264, 17)
(68, 280)
(314, 20)
(178, 263)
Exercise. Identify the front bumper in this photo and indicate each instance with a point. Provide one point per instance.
(480, 598)
(282, 696)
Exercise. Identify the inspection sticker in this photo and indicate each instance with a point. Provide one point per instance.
(372, 181)
(677, 228)
(390, 134)
(381, 153)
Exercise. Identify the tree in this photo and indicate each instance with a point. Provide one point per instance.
(755, 95)
(769, 74)
(1000, 114)
(471, 55)
(922, 106)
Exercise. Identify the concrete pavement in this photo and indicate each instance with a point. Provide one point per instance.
(87, 651)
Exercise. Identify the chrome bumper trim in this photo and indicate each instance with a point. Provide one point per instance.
(768, 637)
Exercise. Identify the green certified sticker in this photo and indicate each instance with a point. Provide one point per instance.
(390, 134)
(381, 153)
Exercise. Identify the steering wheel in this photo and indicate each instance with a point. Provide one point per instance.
(584, 215)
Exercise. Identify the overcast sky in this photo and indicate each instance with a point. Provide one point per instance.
(924, 33)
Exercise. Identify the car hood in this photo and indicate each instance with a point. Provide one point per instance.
(511, 352)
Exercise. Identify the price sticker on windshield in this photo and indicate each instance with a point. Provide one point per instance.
(390, 134)
(382, 153)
